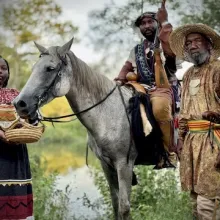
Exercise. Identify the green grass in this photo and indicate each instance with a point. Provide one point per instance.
(157, 197)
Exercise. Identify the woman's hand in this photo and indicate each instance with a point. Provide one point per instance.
(3, 138)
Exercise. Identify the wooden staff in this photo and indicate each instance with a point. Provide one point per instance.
(161, 79)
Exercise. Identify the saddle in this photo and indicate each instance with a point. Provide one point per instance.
(145, 129)
(136, 86)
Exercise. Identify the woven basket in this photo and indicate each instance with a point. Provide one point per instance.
(22, 132)
(7, 113)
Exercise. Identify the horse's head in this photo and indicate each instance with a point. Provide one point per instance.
(50, 78)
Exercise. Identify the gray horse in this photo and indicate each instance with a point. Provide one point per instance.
(59, 72)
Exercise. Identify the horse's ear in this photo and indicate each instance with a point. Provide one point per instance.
(40, 48)
(65, 48)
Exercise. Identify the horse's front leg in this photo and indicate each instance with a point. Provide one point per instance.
(112, 178)
(124, 171)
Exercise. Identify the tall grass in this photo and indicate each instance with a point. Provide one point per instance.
(156, 197)
(61, 147)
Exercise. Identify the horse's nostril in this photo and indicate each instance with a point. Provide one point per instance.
(21, 104)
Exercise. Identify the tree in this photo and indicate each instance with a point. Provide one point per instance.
(25, 21)
(208, 13)
(112, 27)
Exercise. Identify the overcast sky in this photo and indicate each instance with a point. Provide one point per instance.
(77, 11)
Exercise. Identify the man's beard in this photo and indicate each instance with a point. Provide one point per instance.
(198, 58)
(150, 37)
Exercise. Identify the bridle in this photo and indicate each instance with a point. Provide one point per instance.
(55, 119)
(43, 96)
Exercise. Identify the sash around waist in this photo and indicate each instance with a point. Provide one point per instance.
(204, 126)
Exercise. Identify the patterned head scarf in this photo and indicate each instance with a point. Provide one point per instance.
(141, 17)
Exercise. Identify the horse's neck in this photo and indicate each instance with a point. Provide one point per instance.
(88, 87)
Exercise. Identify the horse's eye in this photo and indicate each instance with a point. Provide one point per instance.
(50, 68)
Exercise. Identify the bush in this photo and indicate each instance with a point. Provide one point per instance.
(157, 196)
(49, 203)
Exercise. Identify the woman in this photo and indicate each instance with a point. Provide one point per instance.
(16, 199)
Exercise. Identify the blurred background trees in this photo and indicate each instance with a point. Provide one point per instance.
(112, 33)
(208, 14)
(25, 21)
(158, 195)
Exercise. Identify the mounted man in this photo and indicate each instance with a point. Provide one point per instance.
(140, 66)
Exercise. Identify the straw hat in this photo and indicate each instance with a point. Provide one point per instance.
(178, 36)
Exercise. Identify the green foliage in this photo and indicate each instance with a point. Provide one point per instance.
(157, 196)
(208, 13)
(72, 132)
(113, 29)
(30, 20)
(63, 146)
(112, 32)
(159, 192)
(49, 203)
(96, 206)
(101, 183)
(23, 22)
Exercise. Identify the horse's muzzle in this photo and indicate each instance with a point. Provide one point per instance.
(24, 110)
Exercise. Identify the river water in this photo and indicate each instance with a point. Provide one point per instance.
(80, 183)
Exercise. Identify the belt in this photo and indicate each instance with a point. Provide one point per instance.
(203, 126)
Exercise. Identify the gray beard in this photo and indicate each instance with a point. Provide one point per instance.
(198, 58)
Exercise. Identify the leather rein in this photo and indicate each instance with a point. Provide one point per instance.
(42, 97)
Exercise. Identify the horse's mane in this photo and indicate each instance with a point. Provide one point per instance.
(94, 83)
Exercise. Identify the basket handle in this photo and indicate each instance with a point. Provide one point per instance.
(23, 124)
(15, 122)
(27, 125)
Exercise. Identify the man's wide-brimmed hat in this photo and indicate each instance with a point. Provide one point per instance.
(178, 37)
(145, 14)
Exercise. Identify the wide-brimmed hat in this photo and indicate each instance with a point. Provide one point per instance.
(145, 14)
(178, 37)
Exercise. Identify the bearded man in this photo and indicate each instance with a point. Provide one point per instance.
(199, 134)
(141, 63)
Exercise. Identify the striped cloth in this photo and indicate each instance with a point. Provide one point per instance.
(205, 126)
